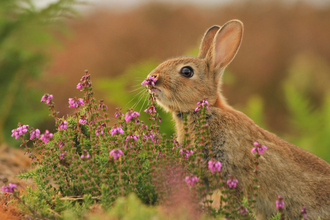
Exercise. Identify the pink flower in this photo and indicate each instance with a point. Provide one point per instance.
(75, 103)
(304, 212)
(102, 106)
(150, 81)
(243, 210)
(116, 131)
(117, 114)
(62, 125)
(150, 109)
(201, 104)
(79, 86)
(135, 137)
(190, 180)
(34, 134)
(129, 115)
(22, 129)
(10, 188)
(259, 149)
(45, 137)
(116, 153)
(213, 166)
(232, 183)
(62, 155)
(46, 98)
(82, 156)
(82, 121)
(280, 203)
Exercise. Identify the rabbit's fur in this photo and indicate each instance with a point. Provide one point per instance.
(300, 177)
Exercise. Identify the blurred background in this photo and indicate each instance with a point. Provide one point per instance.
(280, 77)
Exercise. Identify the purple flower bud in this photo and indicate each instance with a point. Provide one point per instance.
(75, 103)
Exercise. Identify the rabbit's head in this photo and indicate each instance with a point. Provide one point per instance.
(182, 82)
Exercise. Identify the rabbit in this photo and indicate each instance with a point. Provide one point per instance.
(300, 177)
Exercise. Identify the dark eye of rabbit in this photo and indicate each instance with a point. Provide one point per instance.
(187, 71)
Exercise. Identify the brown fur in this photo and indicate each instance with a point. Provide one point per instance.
(287, 170)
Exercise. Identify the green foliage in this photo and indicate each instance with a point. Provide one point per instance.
(87, 161)
(26, 34)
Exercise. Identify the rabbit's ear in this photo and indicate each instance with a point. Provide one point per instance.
(225, 45)
(207, 41)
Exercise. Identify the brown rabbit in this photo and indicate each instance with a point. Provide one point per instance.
(300, 177)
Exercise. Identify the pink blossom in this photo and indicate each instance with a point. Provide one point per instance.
(117, 114)
(280, 202)
(62, 125)
(150, 109)
(129, 115)
(82, 156)
(82, 121)
(22, 129)
(116, 153)
(190, 180)
(232, 183)
(201, 104)
(304, 212)
(75, 103)
(46, 98)
(10, 188)
(34, 134)
(116, 131)
(213, 166)
(243, 210)
(45, 137)
(150, 81)
(62, 155)
(259, 149)
(102, 106)
(79, 86)
(135, 137)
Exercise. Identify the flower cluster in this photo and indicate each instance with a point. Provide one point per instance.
(214, 166)
(116, 131)
(303, 213)
(46, 98)
(75, 103)
(22, 129)
(232, 183)
(190, 180)
(34, 133)
(116, 153)
(150, 81)
(280, 203)
(46, 136)
(259, 149)
(201, 104)
(85, 82)
(187, 153)
(9, 188)
(62, 125)
(129, 115)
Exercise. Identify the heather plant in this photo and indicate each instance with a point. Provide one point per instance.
(87, 161)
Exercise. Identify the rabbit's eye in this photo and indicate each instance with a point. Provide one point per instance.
(187, 71)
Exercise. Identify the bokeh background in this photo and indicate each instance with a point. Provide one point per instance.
(280, 77)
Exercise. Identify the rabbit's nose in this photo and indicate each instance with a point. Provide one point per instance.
(155, 76)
